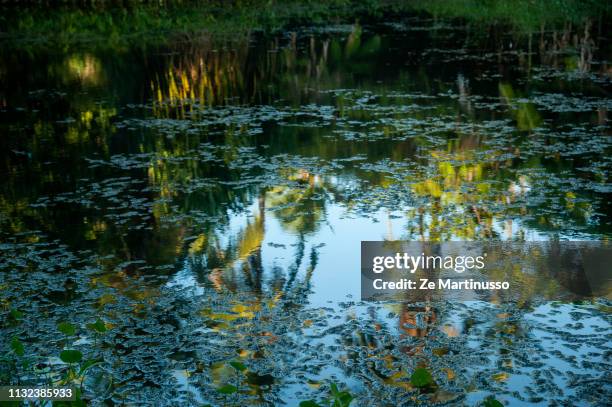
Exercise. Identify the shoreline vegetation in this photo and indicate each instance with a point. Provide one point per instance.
(113, 23)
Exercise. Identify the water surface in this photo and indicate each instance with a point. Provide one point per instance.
(206, 201)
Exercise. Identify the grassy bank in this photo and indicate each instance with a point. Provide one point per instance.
(524, 15)
(112, 25)
(120, 23)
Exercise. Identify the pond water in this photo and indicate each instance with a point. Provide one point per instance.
(205, 201)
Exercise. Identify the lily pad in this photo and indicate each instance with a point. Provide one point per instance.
(66, 328)
(97, 326)
(227, 389)
(17, 346)
(71, 356)
(421, 378)
(238, 366)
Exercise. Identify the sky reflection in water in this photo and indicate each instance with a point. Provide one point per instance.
(218, 194)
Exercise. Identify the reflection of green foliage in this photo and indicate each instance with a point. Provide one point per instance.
(460, 190)
(116, 27)
(159, 22)
(300, 211)
(156, 23)
(527, 117)
(85, 67)
(354, 41)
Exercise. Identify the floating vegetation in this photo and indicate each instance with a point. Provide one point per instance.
(189, 234)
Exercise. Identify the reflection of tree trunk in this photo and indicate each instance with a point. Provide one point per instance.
(586, 49)
(418, 302)
(421, 223)
(262, 207)
(602, 116)
(293, 270)
(255, 258)
(529, 55)
(314, 258)
(542, 42)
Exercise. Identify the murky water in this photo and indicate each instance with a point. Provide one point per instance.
(206, 201)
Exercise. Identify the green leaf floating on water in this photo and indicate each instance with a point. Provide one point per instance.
(421, 378)
(71, 356)
(227, 389)
(97, 326)
(341, 398)
(17, 346)
(238, 366)
(309, 403)
(16, 314)
(492, 402)
(66, 328)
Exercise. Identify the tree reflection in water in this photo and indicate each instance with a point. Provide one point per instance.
(195, 207)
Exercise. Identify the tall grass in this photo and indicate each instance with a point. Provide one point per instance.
(116, 23)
